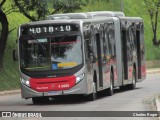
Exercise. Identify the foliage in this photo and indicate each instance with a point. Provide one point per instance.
(153, 7)
(3, 33)
(38, 9)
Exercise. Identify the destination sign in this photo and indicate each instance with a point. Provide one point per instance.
(49, 29)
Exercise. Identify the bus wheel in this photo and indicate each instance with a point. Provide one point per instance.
(40, 100)
(133, 85)
(93, 95)
(110, 89)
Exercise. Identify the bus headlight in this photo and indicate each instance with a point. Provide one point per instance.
(26, 82)
(79, 78)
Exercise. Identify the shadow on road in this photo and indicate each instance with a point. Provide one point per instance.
(81, 99)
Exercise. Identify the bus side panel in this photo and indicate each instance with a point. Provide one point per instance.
(118, 51)
(141, 54)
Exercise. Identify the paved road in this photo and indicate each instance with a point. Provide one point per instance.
(140, 99)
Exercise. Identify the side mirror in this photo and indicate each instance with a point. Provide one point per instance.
(15, 55)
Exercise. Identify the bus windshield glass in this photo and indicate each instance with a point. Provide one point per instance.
(51, 53)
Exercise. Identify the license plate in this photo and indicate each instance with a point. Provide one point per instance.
(52, 93)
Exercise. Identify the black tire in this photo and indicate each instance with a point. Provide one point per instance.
(40, 100)
(110, 89)
(132, 86)
(93, 95)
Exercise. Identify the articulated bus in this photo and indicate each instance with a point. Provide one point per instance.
(80, 54)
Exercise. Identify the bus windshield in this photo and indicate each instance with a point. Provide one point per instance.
(51, 53)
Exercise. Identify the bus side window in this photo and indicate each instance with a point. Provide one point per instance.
(87, 35)
(107, 50)
(111, 43)
(131, 38)
(87, 49)
(104, 44)
(128, 43)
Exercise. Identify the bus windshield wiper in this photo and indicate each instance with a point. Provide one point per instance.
(44, 48)
(62, 38)
(34, 37)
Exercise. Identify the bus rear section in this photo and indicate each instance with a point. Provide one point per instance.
(133, 51)
(51, 60)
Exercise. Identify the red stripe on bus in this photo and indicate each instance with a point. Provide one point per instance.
(55, 43)
(143, 70)
(130, 72)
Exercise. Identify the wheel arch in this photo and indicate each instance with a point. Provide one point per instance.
(135, 68)
(112, 72)
(95, 77)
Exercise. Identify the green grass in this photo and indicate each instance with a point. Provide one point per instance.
(9, 78)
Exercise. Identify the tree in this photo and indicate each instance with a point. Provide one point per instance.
(153, 10)
(38, 9)
(3, 33)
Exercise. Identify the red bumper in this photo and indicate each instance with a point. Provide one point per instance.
(52, 84)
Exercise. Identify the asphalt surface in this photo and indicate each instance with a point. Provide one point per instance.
(140, 99)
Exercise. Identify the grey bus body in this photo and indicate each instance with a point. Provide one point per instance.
(87, 15)
(113, 50)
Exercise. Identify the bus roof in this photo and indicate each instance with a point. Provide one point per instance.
(78, 21)
(106, 14)
(138, 19)
(62, 21)
(87, 15)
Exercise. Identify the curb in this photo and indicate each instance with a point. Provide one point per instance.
(153, 71)
(157, 100)
(10, 92)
